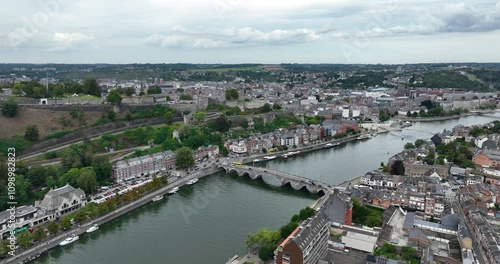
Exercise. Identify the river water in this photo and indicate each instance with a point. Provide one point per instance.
(209, 222)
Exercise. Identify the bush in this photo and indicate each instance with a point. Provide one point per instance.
(51, 155)
(10, 108)
(17, 142)
(267, 252)
(56, 135)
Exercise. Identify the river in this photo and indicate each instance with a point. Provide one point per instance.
(209, 222)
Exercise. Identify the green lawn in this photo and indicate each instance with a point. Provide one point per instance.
(83, 97)
(473, 77)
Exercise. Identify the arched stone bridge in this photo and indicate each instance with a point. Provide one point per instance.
(282, 178)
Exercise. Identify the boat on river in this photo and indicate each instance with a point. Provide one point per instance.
(69, 240)
(157, 198)
(193, 181)
(174, 190)
(364, 137)
(93, 228)
(34, 257)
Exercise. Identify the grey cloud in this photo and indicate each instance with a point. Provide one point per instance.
(230, 37)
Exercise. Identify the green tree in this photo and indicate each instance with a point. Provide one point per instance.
(169, 118)
(50, 182)
(23, 189)
(37, 175)
(155, 89)
(432, 154)
(387, 250)
(373, 221)
(383, 116)
(90, 86)
(186, 97)
(114, 97)
(244, 123)
(184, 158)
(409, 146)
(53, 228)
(287, 229)
(221, 124)
(4, 248)
(231, 94)
(267, 252)
(129, 91)
(87, 180)
(102, 208)
(266, 108)
(408, 253)
(18, 89)
(199, 116)
(10, 107)
(263, 237)
(24, 239)
(70, 159)
(92, 211)
(39, 234)
(111, 114)
(428, 104)
(66, 222)
(80, 216)
(419, 142)
(103, 169)
(70, 177)
(31, 133)
(56, 90)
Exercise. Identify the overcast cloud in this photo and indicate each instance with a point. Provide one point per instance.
(256, 31)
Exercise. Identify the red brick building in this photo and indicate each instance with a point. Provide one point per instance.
(487, 158)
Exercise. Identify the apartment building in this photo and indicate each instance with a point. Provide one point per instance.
(306, 244)
(145, 165)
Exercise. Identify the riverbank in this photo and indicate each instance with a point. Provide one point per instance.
(438, 118)
(54, 242)
(442, 118)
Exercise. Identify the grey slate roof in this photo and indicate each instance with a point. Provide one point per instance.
(54, 198)
(309, 229)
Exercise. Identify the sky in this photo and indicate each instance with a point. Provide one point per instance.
(249, 31)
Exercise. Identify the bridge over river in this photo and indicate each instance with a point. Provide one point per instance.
(279, 178)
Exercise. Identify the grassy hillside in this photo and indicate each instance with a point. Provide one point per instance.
(48, 122)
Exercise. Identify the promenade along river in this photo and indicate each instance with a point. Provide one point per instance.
(209, 222)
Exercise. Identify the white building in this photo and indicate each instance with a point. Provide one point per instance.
(239, 148)
(60, 201)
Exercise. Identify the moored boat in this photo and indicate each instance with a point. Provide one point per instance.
(69, 240)
(364, 137)
(174, 190)
(193, 181)
(157, 198)
(34, 257)
(92, 228)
